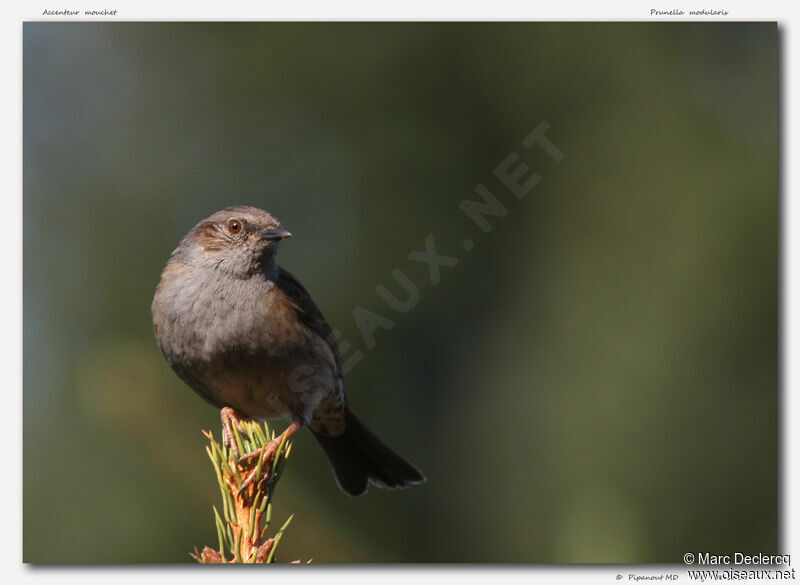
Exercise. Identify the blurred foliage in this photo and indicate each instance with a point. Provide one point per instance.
(600, 373)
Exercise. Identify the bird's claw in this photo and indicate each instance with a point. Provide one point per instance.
(267, 453)
(230, 419)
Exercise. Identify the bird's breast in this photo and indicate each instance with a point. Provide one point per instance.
(240, 344)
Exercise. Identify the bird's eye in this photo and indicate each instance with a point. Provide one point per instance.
(234, 226)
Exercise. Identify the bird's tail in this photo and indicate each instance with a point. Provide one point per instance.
(358, 457)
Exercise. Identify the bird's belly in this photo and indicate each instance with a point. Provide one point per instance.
(263, 385)
(257, 387)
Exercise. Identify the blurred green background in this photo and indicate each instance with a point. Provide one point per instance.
(597, 381)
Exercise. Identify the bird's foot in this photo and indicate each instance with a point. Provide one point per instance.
(267, 453)
(231, 418)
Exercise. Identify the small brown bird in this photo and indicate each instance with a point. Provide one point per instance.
(245, 335)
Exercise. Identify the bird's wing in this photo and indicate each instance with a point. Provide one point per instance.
(308, 312)
(329, 416)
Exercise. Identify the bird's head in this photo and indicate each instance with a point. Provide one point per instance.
(239, 240)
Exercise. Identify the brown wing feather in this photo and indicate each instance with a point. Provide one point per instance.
(329, 417)
(307, 310)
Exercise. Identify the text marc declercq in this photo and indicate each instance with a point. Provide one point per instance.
(742, 559)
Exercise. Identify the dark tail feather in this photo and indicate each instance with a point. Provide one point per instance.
(358, 456)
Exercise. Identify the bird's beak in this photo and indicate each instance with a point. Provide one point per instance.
(274, 233)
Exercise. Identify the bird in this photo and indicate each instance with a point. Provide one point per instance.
(244, 334)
